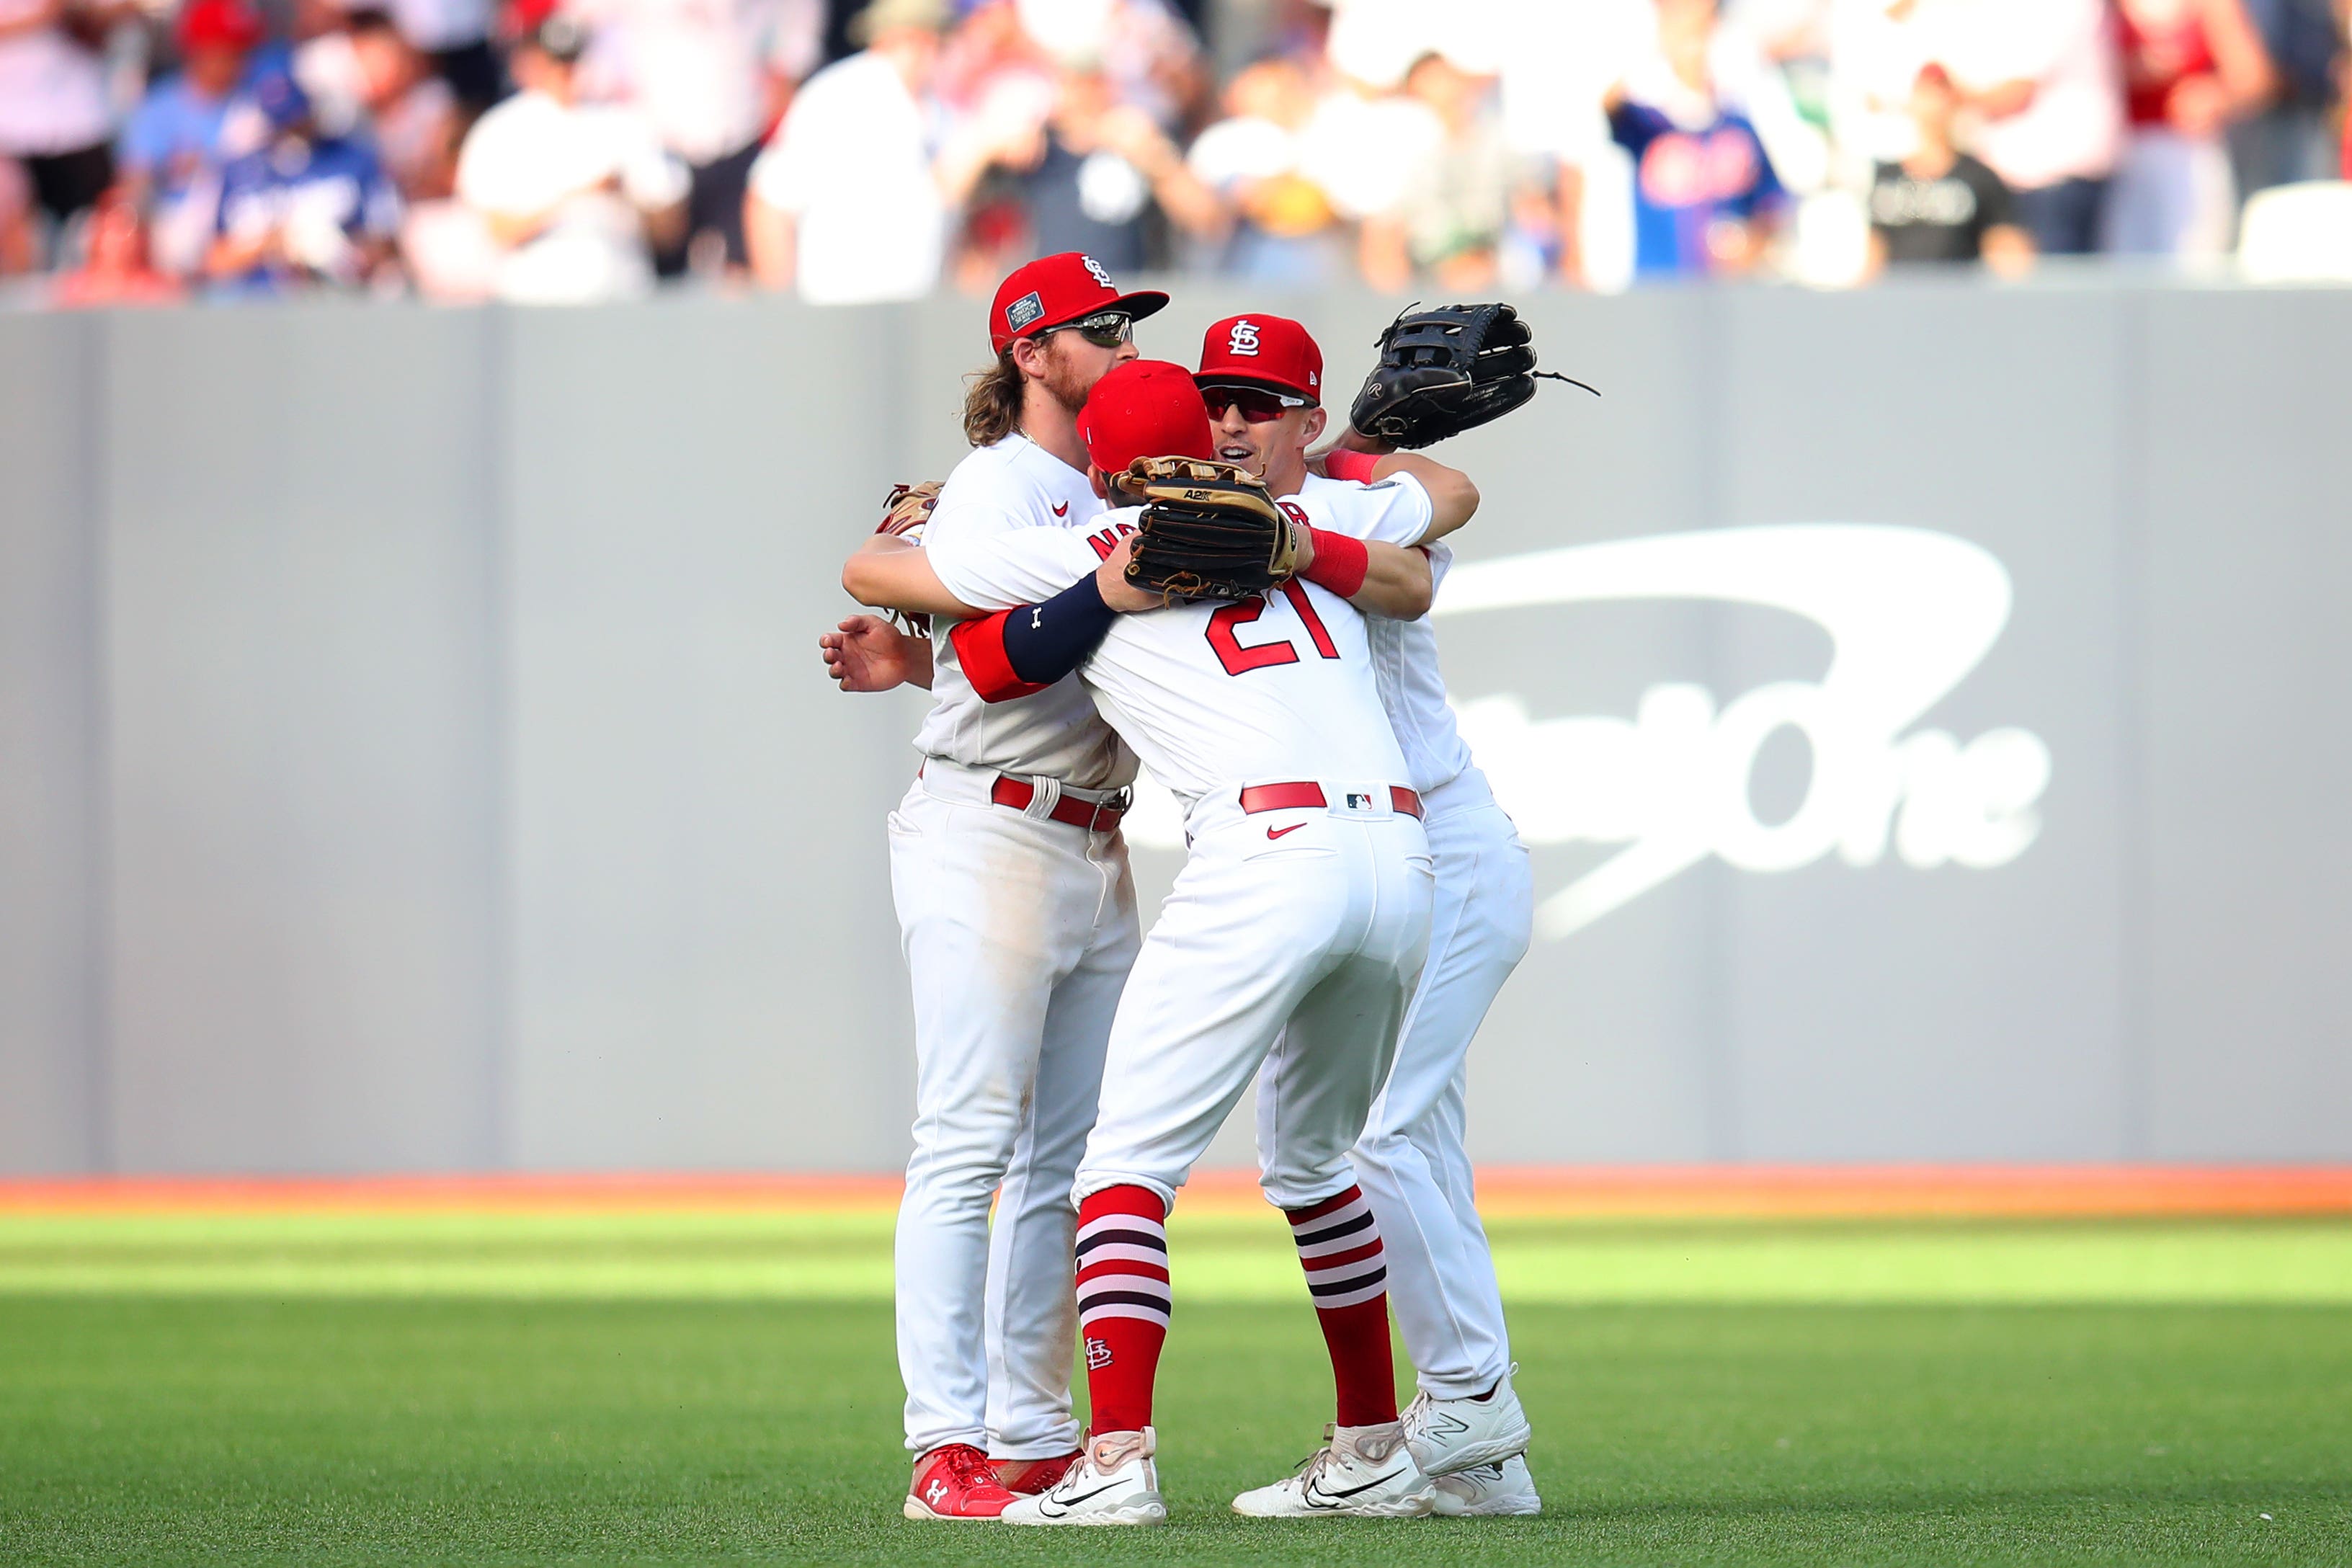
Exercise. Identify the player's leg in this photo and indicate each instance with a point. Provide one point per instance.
(1236, 947)
(1032, 1315)
(1411, 1158)
(1416, 1171)
(1314, 1094)
(979, 893)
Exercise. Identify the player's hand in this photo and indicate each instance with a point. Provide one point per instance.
(868, 653)
(1110, 581)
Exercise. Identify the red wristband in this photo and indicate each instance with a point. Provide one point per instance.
(1341, 463)
(1341, 563)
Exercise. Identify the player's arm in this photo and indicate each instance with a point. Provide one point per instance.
(893, 573)
(1393, 582)
(1024, 650)
(1453, 498)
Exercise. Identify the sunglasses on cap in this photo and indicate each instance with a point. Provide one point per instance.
(1257, 406)
(1107, 330)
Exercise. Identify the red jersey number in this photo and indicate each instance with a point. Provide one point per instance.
(1240, 657)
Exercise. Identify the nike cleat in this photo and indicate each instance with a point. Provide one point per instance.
(1027, 1477)
(1360, 1472)
(1114, 1482)
(956, 1481)
(1488, 1491)
(1450, 1435)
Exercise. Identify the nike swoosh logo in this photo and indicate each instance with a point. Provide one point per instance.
(1278, 832)
(1313, 1491)
(1044, 1504)
(1062, 509)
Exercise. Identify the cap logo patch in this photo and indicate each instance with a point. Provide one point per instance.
(1023, 311)
(1099, 275)
(1243, 339)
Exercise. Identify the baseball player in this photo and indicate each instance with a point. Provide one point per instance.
(1261, 378)
(1292, 937)
(1017, 911)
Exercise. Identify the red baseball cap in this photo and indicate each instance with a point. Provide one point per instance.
(1270, 351)
(1054, 290)
(218, 25)
(1144, 408)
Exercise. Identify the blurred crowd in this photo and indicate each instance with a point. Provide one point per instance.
(580, 149)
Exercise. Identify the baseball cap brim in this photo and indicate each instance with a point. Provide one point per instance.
(1137, 305)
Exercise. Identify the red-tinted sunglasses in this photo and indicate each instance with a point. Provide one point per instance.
(1257, 407)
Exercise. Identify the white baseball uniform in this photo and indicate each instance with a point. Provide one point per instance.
(1019, 930)
(1299, 921)
(1410, 1160)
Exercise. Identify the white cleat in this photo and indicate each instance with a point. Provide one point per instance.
(1361, 1472)
(1450, 1435)
(1487, 1491)
(1114, 1482)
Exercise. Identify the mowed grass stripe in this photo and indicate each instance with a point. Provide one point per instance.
(199, 1431)
(819, 1255)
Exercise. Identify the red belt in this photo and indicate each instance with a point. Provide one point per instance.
(1285, 796)
(1018, 793)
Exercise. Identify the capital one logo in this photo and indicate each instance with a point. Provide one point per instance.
(1909, 614)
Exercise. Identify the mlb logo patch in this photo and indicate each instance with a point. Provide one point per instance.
(1361, 802)
(1023, 311)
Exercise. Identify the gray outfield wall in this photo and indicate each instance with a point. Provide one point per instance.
(413, 753)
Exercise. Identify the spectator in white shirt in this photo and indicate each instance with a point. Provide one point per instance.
(2042, 76)
(573, 195)
(711, 76)
(850, 202)
(54, 119)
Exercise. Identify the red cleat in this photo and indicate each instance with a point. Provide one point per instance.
(955, 1480)
(1027, 1477)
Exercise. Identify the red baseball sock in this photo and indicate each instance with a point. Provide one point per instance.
(1123, 1302)
(1347, 1273)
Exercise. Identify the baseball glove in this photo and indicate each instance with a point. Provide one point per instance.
(907, 508)
(1210, 531)
(1444, 372)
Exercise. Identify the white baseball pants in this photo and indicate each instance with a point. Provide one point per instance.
(1304, 926)
(1411, 1160)
(1018, 931)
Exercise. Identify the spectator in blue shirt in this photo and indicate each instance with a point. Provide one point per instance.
(193, 121)
(305, 208)
(1706, 200)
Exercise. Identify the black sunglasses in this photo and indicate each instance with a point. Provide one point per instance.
(1257, 407)
(1107, 330)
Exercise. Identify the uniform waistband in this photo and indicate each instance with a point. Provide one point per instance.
(1032, 794)
(1370, 800)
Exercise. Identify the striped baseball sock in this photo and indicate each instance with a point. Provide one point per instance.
(1123, 1302)
(1347, 1274)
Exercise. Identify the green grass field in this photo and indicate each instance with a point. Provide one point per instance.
(719, 1386)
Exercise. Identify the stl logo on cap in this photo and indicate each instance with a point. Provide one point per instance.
(1243, 340)
(1100, 276)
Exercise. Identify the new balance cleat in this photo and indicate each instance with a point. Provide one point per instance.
(1488, 1491)
(1027, 1477)
(1360, 1472)
(956, 1481)
(1450, 1435)
(1114, 1482)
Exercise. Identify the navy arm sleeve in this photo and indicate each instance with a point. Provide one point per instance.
(1015, 652)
